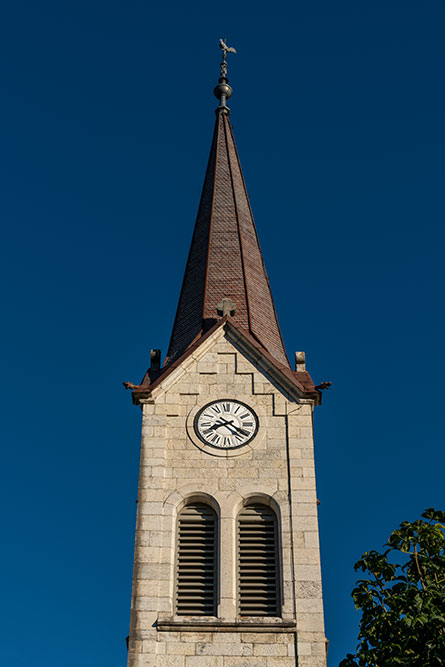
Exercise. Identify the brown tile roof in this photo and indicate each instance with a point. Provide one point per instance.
(225, 259)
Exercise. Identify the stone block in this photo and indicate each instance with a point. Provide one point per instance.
(306, 555)
(312, 637)
(149, 522)
(319, 648)
(206, 367)
(308, 589)
(142, 660)
(307, 621)
(225, 484)
(153, 571)
(150, 508)
(304, 648)
(304, 523)
(170, 661)
(270, 649)
(244, 662)
(244, 473)
(202, 661)
(269, 473)
(154, 420)
(144, 619)
(147, 603)
(189, 399)
(262, 637)
(161, 539)
(223, 648)
(312, 661)
(196, 637)
(311, 540)
(173, 648)
(299, 483)
(304, 509)
(310, 605)
(217, 390)
(307, 573)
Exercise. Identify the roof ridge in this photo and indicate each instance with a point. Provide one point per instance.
(227, 122)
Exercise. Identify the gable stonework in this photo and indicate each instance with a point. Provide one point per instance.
(278, 468)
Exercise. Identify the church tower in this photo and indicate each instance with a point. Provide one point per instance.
(227, 564)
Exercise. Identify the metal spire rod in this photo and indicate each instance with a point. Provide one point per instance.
(223, 91)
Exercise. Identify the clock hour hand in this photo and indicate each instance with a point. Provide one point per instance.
(238, 428)
(229, 424)
(217, 424)
(225, 421)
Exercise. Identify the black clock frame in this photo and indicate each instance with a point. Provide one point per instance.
(231, 400)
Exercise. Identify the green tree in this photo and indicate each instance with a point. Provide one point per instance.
(403, 603)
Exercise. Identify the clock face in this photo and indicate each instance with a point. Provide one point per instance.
(226, 424)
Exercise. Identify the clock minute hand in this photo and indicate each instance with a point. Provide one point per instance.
(229, 424)
(238, 428)
(225, 421)
(241, 430)
(217, 424)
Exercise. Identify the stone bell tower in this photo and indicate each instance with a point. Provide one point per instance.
(226, 565)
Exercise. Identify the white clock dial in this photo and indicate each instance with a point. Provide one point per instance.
(226, 424)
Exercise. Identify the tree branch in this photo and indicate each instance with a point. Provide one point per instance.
(418, 567)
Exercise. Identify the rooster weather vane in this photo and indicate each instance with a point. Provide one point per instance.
(223, 91)
(225, 50)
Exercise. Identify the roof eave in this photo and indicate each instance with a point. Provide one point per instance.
(284, 376)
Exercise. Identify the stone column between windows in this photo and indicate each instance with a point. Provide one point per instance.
(227, 566)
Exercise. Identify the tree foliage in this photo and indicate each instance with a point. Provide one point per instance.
(403, 604)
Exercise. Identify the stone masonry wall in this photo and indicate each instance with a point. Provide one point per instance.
(277, 468)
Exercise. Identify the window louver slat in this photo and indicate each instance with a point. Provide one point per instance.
(257, 562)
(196, 566)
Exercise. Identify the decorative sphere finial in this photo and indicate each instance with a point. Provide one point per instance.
(223, 91)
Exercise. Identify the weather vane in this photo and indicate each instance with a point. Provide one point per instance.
(225, 50)
(223, 91)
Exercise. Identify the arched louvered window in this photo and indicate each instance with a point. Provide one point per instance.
(196, 581)
(258, 579)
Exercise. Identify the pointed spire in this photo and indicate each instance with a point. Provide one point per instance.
(225, 273)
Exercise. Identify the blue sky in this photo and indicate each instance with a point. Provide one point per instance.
(105, 127)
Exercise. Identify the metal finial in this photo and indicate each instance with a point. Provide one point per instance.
(223, 91)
